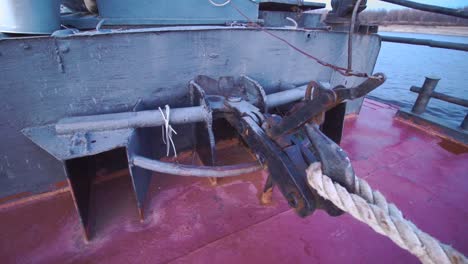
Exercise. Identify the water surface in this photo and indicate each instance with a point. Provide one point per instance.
(407, 65)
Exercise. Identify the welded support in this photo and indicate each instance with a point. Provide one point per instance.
(140, 143)
(332, 127)
(425, 95)
(267, 194)
(80, 173)
(203, 131)
(464, 124)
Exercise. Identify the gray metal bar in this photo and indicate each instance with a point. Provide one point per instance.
(443, 97)
(430, 8)
(196, 171)
(152, 118)
(425, 95)
(464, 124)
(147, 118)
(285, 97)
(427, 42)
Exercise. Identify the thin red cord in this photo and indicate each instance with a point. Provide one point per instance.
(341, 70)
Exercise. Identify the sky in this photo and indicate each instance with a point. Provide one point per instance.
(376, 4)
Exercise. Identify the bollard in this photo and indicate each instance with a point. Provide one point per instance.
(464, 124)
(423, 98)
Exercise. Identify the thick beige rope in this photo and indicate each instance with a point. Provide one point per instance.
(371, 208)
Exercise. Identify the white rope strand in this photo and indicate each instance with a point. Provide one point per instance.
(293, 21)
(167, 131)
(219, 5)
(371, 208)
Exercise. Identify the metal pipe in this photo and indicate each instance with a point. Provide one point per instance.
(151, 118)
(443, 97)
(285, 97)
(430, 8)
(427, 42)
(196, 171)
(425, 95)
(147, 118)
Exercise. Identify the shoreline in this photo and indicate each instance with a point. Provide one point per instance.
(438, 30)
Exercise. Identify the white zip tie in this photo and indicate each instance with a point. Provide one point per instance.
(293, 21)
(219, 5)
(167, 131)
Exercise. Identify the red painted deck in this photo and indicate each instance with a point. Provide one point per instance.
(189, 221)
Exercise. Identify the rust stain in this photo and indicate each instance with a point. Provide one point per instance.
(267, 196)
(57, 188)
(141, 214)
(351, 116)
(61, 184)
(213, 181)
(428, 129)
(15, 196)
(452, 147)
(27, 197)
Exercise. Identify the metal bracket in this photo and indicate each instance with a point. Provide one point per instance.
(284, 144)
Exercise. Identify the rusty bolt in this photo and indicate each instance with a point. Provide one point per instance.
(292, 200)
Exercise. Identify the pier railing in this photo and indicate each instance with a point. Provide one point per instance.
(428, 42)
(417, 113)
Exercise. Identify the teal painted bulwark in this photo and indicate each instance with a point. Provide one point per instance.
(45, 79)
(178, 12)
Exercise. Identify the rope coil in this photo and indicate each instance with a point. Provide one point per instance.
(371, 208)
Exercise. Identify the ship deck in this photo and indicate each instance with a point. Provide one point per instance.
(190, 221)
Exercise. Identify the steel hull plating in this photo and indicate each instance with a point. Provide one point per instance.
(45, 79)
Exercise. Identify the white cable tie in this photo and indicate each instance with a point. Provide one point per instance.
(293, 21)
(219, 5)
(167, 131)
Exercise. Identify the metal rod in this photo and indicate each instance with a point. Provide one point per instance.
(285, 97)
(425, 95)
(147, 118)
(443, 97)
(430, 8)
(151, 118)
(196, 171)
(464, 124)
(427, 42)
(350, 34)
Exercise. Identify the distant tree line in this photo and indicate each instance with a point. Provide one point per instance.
(410, 17)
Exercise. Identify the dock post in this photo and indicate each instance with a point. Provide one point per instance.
(423, 98)
(464, 124)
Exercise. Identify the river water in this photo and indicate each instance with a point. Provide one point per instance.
(407, 65)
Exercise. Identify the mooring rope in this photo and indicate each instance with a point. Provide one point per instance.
(371, 208)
